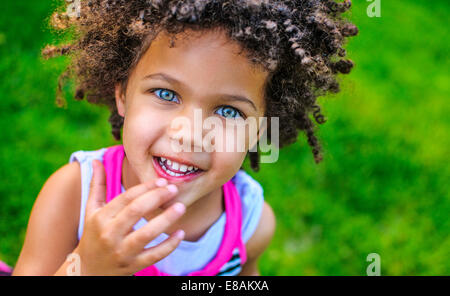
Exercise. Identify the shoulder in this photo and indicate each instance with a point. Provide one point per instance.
(52, 226)
(258, 217)
(252, 200)
(263, 233)
(63, 186)
(68, 174)
(259, 240)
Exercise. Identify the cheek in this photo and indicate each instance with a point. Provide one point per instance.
(228, 137)
(142, 126)
(233, 149)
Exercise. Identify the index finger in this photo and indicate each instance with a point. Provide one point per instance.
(118, 203)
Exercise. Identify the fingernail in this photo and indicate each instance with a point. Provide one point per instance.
(180, 234)
(161, 182)
(179, 207)
(172, 188)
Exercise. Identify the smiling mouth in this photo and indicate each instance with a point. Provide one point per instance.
(173, 170)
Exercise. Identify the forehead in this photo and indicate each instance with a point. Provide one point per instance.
(207, 61)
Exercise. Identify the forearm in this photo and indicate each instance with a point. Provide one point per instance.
(71, 266)
(63, 270)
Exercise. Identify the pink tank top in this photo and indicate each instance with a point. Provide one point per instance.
(231, 245)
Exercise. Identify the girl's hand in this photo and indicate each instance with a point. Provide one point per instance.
(109, 246)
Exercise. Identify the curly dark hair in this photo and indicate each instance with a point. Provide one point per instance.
(300, 43)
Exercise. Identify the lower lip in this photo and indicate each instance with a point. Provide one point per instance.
(160, 171)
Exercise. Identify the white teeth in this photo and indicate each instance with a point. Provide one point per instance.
(185, 169)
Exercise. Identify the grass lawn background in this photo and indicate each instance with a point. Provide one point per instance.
(381, 188)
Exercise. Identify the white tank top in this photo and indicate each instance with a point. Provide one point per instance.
(188, 256)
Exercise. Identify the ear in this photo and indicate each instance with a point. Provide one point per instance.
(120, 99)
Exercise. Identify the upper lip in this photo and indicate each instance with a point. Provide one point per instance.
(179, 160)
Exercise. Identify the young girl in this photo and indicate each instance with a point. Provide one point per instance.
(141, 207)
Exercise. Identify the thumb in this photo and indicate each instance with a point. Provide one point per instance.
(97, 188)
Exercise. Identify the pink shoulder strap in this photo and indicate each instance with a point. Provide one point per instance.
(112, 161)
(232, 235)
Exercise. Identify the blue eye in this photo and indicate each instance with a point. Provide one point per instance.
(228, 112)
(165, 94)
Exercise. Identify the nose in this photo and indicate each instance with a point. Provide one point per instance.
(186, 131)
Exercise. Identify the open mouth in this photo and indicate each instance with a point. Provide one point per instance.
(173, 170)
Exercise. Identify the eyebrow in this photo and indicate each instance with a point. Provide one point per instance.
(167, 78)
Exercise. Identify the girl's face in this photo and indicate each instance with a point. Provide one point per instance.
(202, 73)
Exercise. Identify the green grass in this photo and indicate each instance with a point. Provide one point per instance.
(382, 187)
